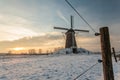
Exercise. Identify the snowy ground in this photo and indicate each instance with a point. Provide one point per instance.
(53, 67)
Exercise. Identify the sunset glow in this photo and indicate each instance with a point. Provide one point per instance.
(18, 48)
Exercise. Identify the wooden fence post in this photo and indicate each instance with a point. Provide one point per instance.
(106, 54)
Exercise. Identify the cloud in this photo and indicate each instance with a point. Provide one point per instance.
(14, 27)
(51, 40)
(62, 16)
(89, 42)
(48, 40)
(12, 20)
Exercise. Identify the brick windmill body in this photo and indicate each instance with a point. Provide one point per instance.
(70, 36)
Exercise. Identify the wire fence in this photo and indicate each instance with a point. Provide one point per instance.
(99, 61)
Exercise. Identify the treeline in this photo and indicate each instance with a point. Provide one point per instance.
(36, 51)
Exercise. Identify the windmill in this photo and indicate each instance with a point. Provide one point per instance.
(70, 35)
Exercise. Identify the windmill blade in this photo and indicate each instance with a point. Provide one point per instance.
(81, 30)
(71, 22)
(61, 28)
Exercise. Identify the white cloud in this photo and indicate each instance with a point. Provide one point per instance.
(13, 27)
(62, 16)
(12, 20)
(12, 32)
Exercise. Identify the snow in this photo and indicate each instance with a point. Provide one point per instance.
(53, 67)
(69, 51)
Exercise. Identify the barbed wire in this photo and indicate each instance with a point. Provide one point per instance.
(99, 61)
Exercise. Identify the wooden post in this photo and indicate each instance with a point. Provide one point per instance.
(106, 54)
(114, 54)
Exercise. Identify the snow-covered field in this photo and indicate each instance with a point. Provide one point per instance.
(53, 67)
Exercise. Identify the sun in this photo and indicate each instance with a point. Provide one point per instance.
(18, 48)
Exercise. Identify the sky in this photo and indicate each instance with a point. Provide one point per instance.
(28, 24)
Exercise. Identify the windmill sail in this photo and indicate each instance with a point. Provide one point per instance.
(61, 28)
(81, 30)
(71, 22)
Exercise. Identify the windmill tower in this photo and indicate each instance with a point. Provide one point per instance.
(70, 35)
